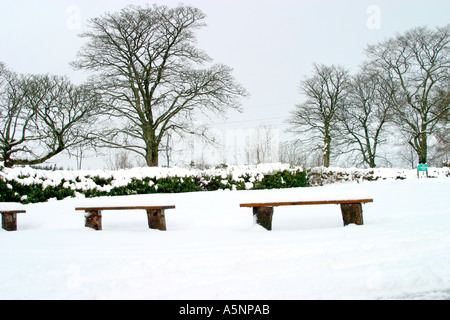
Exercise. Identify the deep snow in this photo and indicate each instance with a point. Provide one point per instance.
(212, 249)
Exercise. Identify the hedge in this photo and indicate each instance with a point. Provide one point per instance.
(27, 185)
(28, 189)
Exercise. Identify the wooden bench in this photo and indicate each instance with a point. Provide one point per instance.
(9, 213)
(351, 209)
(156, 215)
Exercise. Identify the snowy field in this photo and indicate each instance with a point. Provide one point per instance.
(212, 249)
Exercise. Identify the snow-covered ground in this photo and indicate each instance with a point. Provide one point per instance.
(212, 249)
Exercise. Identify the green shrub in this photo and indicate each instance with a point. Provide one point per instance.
(282, 179)
(17, 191)
(8, 192)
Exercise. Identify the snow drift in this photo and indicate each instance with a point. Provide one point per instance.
(212, 249)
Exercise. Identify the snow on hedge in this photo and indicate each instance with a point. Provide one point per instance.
(85, 179)
(28, 185)
(324, 176)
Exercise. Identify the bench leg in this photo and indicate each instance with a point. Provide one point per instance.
(9, 221)
(94, 219)
(156, 219)
(263, 216)
(352, 213)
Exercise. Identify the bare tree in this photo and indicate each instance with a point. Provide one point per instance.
(416, 65)
(147, 69)
(119, 160)
(263, 145)
(315, 120)
(292, 153)
(366, 116)
(168, 148)
(42, 116)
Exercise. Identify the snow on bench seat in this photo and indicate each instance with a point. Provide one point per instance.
(12, 207)
(157, 200)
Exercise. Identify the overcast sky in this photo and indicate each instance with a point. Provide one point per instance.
(270, 44)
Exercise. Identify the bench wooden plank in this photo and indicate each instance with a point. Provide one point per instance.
(13, 211)
(302, 203)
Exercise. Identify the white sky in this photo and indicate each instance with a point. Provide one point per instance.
(270, 44)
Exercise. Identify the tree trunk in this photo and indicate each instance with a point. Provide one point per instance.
(6, 157)
(352, 213)
(157, 219)
(152, 159)
(9, 221)
(327, 151)
(263, 216)
(94, 219)
(423, 146)
(152, 149)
